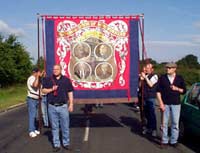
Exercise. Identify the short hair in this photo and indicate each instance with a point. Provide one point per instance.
(35, 69)
(58, 66)
(149, 65)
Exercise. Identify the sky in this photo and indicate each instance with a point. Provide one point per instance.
(171, 27)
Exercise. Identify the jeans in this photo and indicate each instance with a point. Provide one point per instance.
(32, 112)
(172, 111)
(149, 110)
(59, 115)
(45, 111)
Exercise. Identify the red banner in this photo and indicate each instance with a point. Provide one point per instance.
(94, 53)
(100, 54)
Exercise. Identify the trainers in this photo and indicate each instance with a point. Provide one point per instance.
(144, 131)
(67, 147)
(164, 145)
(154, 133)
(37, 132)
(137, 107)
(174, 145)
(32, 134)
(56, 149)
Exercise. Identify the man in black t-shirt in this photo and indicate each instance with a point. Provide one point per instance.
(59, 92)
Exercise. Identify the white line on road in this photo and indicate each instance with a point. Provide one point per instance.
(87, 129)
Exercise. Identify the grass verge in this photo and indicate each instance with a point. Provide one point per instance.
(12, 96)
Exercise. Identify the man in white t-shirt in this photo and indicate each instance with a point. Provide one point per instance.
(33, 100)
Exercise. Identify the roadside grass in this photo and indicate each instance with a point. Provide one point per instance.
(12, 95)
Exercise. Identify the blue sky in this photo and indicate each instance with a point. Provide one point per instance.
(172, 28)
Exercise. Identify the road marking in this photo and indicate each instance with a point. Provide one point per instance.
(87, 130)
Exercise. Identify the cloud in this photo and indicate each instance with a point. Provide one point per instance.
(196, 39)
(5, 29)
(197, 24)
(193, 39)
(163, 51)
(173, 43)
(31, 26)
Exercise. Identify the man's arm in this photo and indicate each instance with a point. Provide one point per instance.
(49, 90)
(181, 88)
(178, 89)
(71, 98)
(36, 82)
(151, 81)
(159, 98)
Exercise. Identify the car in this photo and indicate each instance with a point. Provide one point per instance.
(190, 112)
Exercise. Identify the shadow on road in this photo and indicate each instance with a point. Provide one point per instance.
(135, 126)
(192, 142)
(96, 120)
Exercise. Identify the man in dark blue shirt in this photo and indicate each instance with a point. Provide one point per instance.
(150, 80)
(170, 86)
(59, 92)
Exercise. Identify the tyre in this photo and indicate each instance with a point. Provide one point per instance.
(182, 131)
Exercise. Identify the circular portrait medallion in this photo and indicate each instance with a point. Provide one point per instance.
(103, 52)
(81, 51)
(104, 71)
(82, 70)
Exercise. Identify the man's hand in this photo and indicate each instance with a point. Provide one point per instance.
(55, 87)
(71, 107)
(162, 107)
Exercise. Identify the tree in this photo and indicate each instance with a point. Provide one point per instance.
(40, 63)
(189, 61)
(15, 62)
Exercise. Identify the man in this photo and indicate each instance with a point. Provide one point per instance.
(105, 71)
(149, 93)
(81, 51)
(33, 100)
(44, 105)
(59, 92)
(170, 87)
(104, 52)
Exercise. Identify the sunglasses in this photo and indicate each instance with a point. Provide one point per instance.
(169, 67)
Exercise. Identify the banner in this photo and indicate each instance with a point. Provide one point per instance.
(99, 54)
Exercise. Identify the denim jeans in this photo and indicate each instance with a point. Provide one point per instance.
(60, 115)
(32, 112)
(45, 111)
(149, 110)
(171, 112)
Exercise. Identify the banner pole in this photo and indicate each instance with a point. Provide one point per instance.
(142, 81)
(38, 65)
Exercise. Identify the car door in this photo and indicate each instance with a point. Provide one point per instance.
(192, 109)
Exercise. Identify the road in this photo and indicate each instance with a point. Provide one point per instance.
(113, 129)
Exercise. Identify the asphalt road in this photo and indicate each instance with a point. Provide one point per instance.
(112, 129)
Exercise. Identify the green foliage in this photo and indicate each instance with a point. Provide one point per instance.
(40, 63)
(190, 75)
(188, 67)
(15, 62)
(10, 96)
(189, 61)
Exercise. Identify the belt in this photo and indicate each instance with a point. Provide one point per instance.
(57, 104)
(33, 98)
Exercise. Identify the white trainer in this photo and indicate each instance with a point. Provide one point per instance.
(145, 131)
(32, 134)
(154, 133)
(37, 132)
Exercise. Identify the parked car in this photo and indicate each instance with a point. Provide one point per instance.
(190, 112)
